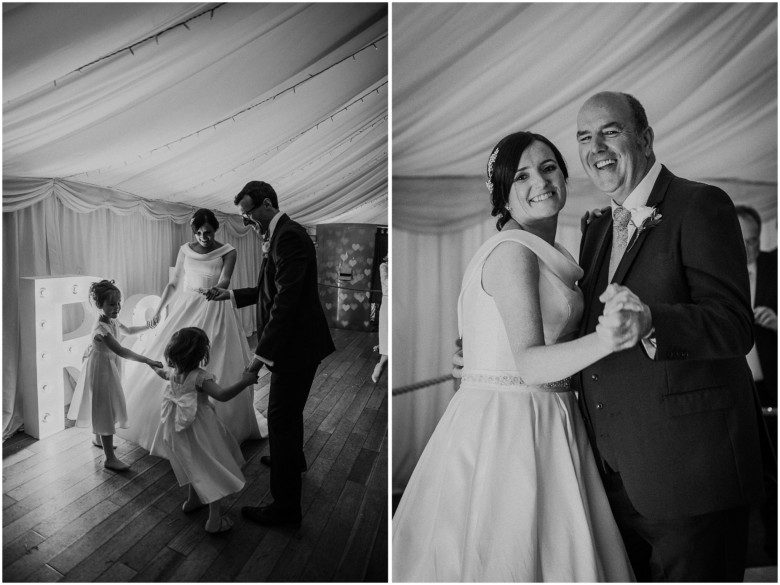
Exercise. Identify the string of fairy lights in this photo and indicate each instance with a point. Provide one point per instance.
(287, 142)
(276, 148)
(129, 48)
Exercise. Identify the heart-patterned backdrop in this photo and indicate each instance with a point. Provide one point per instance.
(345, 264)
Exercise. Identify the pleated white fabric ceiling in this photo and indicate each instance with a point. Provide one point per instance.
(185, 103)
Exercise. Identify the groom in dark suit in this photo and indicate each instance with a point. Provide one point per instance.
(673, 420)
(292, 339)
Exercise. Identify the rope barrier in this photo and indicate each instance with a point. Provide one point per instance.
(422, 384)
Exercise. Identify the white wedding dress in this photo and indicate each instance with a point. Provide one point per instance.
(229, 352)
(507, 488)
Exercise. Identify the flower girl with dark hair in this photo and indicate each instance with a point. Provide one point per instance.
(203, 453)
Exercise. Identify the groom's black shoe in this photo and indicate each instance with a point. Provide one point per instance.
(272, 515)
(266, 460)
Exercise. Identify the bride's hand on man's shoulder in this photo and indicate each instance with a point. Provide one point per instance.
(457, 360)
(589, 216)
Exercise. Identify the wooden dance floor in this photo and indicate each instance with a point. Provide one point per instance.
(66, 518)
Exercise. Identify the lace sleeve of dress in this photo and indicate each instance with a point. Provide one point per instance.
(101, 328)
(202, 376)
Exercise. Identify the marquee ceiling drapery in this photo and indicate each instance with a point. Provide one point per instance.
(185, 103)
(464, 75)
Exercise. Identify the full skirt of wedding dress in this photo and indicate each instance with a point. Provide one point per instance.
(507, 489)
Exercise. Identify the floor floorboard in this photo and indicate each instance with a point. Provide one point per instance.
(66, 518)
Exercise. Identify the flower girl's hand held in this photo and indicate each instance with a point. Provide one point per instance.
(249, 378)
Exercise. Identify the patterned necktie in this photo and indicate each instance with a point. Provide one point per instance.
(620, 218)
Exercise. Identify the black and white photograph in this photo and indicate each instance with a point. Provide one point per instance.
(195, 292)
(584, 284)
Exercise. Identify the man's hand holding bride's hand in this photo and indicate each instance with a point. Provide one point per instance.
(217, 294)
(457, 360)
(152, 323)
(625, 320)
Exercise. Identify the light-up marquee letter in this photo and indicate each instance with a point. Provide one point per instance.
(46, 351)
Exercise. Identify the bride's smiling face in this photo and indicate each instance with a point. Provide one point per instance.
(205, 235)
(539, 188)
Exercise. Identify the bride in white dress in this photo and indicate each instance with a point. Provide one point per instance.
(200, 265)
(507, 488)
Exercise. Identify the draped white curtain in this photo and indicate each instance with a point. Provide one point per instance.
(53, 227)
(464, 75)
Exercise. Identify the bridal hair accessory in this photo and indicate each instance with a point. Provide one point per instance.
(192, 221)
(491, 161)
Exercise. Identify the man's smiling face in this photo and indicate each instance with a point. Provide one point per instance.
(614, 153)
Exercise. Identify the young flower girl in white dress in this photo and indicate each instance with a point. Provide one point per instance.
(98, 398)
(202, 451)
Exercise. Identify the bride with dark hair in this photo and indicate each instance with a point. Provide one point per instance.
(201, 264)
(507, 488)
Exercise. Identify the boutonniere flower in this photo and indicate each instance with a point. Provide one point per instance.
(644, 218)
(266, 247)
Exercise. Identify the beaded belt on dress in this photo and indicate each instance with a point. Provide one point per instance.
(510, 380)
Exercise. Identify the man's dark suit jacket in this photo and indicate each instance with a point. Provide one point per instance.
(291, 327)
(681, 429)
(766, 339)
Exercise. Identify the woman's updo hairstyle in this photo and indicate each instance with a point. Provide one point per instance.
(99, 292)
(502, 166)
(202, 216)
(187, 349)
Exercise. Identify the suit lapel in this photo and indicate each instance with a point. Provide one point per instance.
(655, 199)
(602, 233)
(603, 247)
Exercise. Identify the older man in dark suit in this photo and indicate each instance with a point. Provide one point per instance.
(673, 420)
(292, 339)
